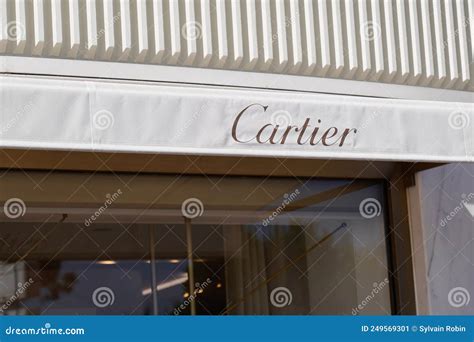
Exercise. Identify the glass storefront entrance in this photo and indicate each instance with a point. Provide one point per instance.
(181, 245)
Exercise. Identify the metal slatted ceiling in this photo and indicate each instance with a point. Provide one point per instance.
(415, 42)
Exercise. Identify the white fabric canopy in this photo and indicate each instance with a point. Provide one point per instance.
(74, 114)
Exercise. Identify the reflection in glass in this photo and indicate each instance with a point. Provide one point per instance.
(260, 247)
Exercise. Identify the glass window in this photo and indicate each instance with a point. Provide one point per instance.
(181, 245)
(66, 269)
(444, 239)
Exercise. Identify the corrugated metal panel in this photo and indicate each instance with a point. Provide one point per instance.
(416, 42)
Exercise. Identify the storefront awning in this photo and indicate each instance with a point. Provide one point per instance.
(73, 114)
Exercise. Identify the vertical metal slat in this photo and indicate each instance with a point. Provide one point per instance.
(20, 13)
(324, 37)
(451, 43)
(427, 45)
(415, 42)
(175, 31)
(377, 40)
(109, 38)
(91, 27)
(57, 27)
(4, 25)
(252, 35)
(74, 29)
(462, 42)
(338, 39)
(351, 38)
(191, 31)
(266, 35)
(390, 41)
(142, 31)
(158, 31)
(237, 42)
(365, 36)
(441, 72)
(38, 27)
(310, 31)
(126, 31)
(402, 42)
(222, 47)
(296, 43)
(281, 21)
(206, 33)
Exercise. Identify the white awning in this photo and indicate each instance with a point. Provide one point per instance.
(74, 114)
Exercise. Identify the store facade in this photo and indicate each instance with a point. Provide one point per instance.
(241, 157)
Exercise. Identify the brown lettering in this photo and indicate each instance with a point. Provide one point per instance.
(236, 121)
(345, 134)
(293, 133)
(326, 136)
